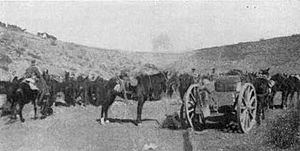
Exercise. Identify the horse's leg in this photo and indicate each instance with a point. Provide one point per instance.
(112, 99)
(104, 110)
(14, 110)
(258, 113)
(264, 107)
(291, 102)
(141, 102)
(20, 112)
(102, 114)
(286, 99)
(271, 100)
(297, 104)
(35, 109)
(284, 94)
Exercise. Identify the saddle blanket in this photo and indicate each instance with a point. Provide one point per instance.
(118, 88)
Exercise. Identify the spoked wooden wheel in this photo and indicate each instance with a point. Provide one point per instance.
(194, 118)
(184, 121)
(246, 107)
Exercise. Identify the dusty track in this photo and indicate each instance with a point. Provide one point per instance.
(76, 128)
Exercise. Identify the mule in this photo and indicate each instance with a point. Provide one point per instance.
(24, 95)
(288, 85)
(293, 86)
(8, 88)
(149, 87)
(261, 86)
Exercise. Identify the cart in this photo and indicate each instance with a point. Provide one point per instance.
(198, 99)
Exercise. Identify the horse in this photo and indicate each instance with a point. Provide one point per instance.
(93, 97)
(24, 95)
(293, 86)
(8, 88)
(261, 86)
(288, 85)
(279, 85)
(149, 87)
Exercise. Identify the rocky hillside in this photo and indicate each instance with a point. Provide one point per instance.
(282, 54)
(18, 48)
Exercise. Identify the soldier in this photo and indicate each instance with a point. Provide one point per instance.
(13, 76)
(123, 79)
(195, 75)
(32, 71)
(213, 74)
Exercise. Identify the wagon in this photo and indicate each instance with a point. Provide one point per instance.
(198, 99)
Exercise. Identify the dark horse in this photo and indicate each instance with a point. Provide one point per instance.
(149, 87)
(8, 88)
(24, 95)
(288, 85)
(261, 86)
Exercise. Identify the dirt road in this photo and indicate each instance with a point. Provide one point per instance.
(76, 128)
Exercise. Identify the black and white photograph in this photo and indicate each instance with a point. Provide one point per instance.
(150, 75)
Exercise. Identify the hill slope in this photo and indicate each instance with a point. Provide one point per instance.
(18, 48)
(282, 54)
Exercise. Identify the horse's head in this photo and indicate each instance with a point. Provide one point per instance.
(265, 71)
(278, 77)
(261, 85)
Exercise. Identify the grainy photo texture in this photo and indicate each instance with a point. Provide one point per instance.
(147, 75)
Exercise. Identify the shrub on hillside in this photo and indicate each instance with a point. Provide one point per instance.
(283, 132)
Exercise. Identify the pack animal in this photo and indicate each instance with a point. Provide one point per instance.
(149, 87)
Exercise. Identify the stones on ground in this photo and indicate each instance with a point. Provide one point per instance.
(150, 146)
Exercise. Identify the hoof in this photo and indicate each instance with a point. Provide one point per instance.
(102, 122)
(35, 118)
(138, 123)
(22, 120)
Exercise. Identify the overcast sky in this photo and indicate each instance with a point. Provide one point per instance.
(154, 25)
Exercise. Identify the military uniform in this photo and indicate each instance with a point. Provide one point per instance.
(195, 76)
(32, 71)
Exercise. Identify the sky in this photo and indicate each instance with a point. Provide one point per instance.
(174, 26)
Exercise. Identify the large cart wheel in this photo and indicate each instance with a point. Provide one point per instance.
(195, 115)
(246, 108)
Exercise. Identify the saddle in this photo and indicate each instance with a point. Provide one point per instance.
(123, 84)
(32, 83)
